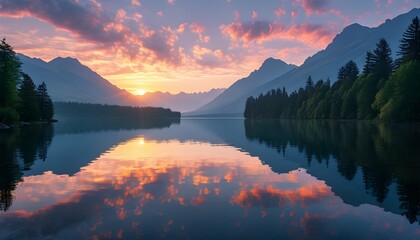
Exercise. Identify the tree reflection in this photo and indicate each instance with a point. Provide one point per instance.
(385, 153)
(20, 148)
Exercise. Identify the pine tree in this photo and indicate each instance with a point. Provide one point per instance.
(9, 79)
(45, 103)
(350, 71)
(368, 63)
(382, 61)
(410, 43)
(309, 83)
(29, 108)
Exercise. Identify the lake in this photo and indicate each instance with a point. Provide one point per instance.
(210, 179)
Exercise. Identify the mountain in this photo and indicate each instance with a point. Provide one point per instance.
(182, 101)
(351, 44)
(242, 88)
(70, 81)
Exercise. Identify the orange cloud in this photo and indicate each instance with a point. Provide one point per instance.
(261, 31)
(197, 28)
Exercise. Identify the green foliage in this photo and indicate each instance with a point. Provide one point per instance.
(26, 103)
(8, 115)
(9, 75)
(410, 43)
(29, 108)
(366, 91)
(382, 60)
(378, 92)
(400, 98)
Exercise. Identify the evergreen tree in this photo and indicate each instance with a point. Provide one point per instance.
(309, 83)
(410, 43)
(382, 60)
(45, 103)
(350, 71)
(29, 107)
(368, 63)
(400, 98)
(10, 68)
(366, 96)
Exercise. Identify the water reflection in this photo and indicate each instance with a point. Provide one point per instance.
(384, 153)
(20, 148)
(218, 179)
(148, 189)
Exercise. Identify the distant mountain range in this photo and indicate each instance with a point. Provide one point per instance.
(351, 44)
(70, 81)
(242, 88)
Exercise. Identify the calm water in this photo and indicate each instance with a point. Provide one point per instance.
(211, 179)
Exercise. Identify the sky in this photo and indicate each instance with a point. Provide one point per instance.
(183, 45)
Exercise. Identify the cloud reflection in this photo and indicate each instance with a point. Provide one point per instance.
(175, 189)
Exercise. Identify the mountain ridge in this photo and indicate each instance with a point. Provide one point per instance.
(351, 43)
(68, 80)
(269, 69)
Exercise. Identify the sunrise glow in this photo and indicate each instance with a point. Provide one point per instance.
(140, 92)
(155, 45)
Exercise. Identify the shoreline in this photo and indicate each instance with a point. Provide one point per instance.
(22, 124)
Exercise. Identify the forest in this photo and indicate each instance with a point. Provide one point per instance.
(385, 89)
(20, 99)
(92, 111)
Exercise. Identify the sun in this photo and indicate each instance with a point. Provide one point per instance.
(140, 92)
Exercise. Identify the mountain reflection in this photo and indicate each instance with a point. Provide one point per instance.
(170, 189)
(21, 147)
(384, 153)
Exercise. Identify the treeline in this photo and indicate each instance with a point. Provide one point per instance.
(87, 110)
(20, 98)
(386, 89)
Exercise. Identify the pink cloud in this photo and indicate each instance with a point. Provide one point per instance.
(197, 28)
(279, 12)
(261, 31)
(254, 15)
(181, 27)
(315, 6)
(87, 21)
(135, 2)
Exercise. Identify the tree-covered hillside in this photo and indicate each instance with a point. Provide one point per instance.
(386, 89)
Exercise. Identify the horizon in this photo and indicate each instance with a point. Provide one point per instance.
(186, 55)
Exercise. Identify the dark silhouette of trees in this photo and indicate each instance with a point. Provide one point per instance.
(29, 110)
(45, 103)
(368, 68)
(382, 60)
(19, 97)
(9, 79)
(380, 92)
(98, 111)
(410, 43)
